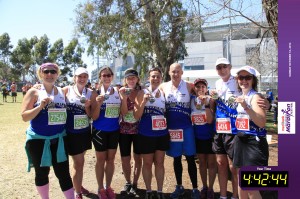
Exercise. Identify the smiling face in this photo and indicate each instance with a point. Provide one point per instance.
(224, 71)
(106, 77)
(48, 75)
(245, 80)
(131, 81)
(200, 89)
(155, 78)
(175, 72)
(81, 79)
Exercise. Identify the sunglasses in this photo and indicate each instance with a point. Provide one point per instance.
(49, 71)
(106, 75)
(247, 77)
(220, 66)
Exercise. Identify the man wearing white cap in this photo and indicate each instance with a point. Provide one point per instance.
(225, 127)
(226, 89)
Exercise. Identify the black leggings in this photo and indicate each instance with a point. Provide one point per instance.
(192, 169)
(61, 170)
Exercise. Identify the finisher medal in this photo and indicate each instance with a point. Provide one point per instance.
(82, 99)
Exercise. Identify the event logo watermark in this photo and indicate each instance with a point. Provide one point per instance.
(286, 117)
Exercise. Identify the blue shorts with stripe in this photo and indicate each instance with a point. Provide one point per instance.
(187, 147)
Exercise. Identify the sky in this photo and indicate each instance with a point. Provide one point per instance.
(28, 18)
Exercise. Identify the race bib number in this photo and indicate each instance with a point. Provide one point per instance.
(223, 125)
(176, 135)
(57, 116)
(129, 117)
(242, 122)
(81, 121)
(159, 122)
(199, 118)
(112, 110)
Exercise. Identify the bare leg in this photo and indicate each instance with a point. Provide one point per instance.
(147, 169)
(159, 159)
(222, 163)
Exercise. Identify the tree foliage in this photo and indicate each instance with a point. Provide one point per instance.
(21, 61)
(152, 30)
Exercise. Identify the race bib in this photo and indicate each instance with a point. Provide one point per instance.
(176, 135)
(159, 122)
(129, 117)
(199, 118)
(242, 122)
(223, 125)
(112, 110)
(57, 116)
(81, 121)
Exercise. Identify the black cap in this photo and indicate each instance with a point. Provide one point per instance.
(131, 72)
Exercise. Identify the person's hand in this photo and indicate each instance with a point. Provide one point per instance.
(146, 97)
(263, 103)
(87, 103)
(203, 99)
(122, 93)
(100, 99)
(44, 102)
(241, 100)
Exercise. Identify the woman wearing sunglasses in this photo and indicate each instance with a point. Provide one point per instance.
(128, 132)
(250, 144)
(105, 114)
(153, 138)
(78, 126)
(45, 107)
(203, 122)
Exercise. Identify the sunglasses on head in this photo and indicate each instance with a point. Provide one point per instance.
(247, 77)
(220, 66)
(106, 75)
(49, 71)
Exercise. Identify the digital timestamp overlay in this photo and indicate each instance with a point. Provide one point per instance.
(263, 178)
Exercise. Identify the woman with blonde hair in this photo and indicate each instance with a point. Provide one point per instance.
(45, 107)
(128, 131)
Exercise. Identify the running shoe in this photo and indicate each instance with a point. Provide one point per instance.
(179, 191)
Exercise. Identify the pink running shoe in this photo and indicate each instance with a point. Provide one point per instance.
(102, 194)
(110, 193)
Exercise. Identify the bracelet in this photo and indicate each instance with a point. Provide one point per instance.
(207, 106)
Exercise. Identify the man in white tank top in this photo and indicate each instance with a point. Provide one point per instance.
(178, 111)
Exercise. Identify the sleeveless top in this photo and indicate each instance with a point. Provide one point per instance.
(202, 129)
(244, 123)
(225, 110)
(151, 111)
(178, 106)
(128, 124)
(108, 119)
(77, 120)
(41, 124)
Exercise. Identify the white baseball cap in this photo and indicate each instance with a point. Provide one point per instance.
(81, 70)
(249, 69)
(222, 61)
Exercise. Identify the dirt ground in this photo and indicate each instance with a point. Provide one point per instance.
(15, 182)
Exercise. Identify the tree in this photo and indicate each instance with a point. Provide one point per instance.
(72, 54)
(5, 52)
(152, 30)
(21, 58)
